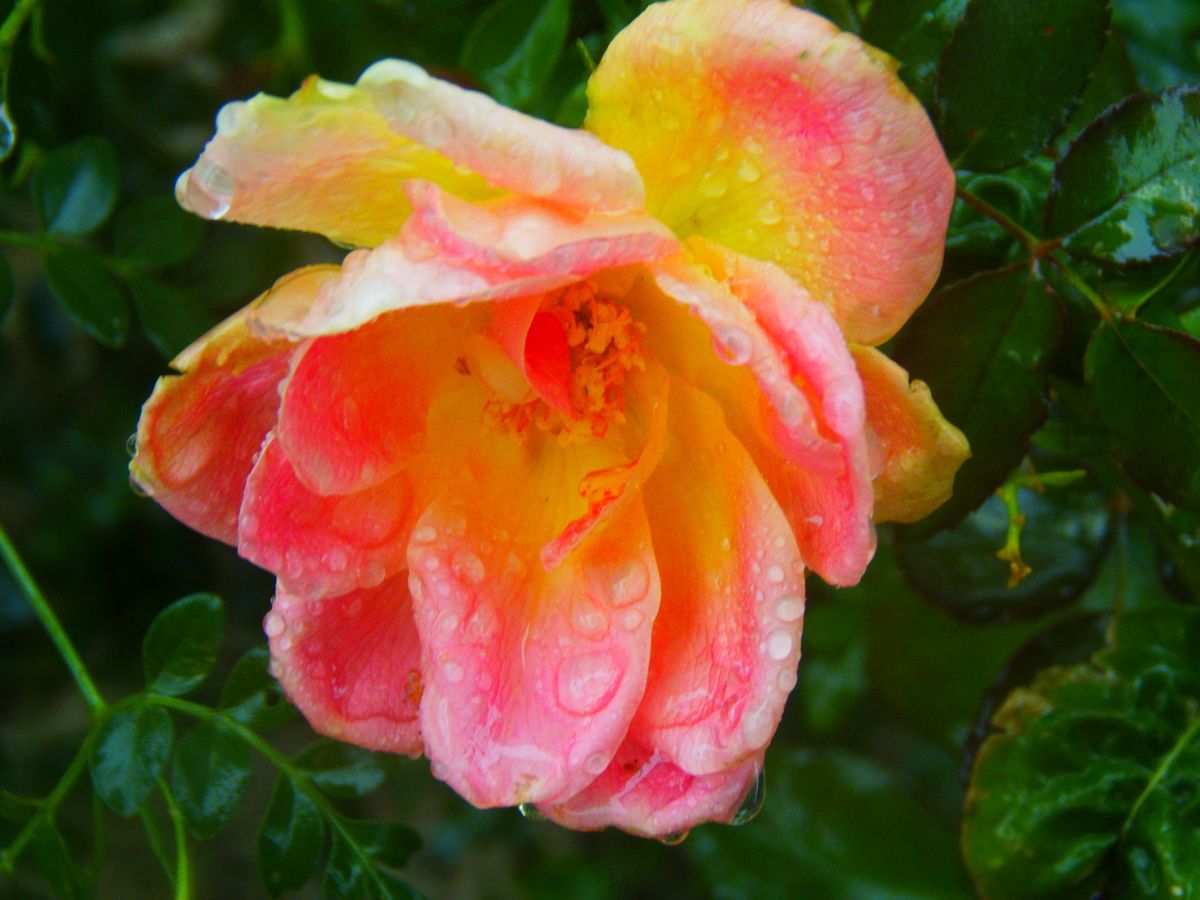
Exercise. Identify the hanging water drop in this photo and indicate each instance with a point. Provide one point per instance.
(531, 812)
(674, 839)
(131, 445)
(753, 803)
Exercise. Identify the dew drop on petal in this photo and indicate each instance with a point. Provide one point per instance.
(468, 567)
(757, 726)
(531, 812)
(779, 645)
(748, 171)
(733, 346)
(452, 672)
(675, 839)
(131, 445)
(830, 154)
(596, 763)
(425, 534)
(752, 803)
(587, 682)
(775, 574)
(787, 680)
(274, 624)
(622, 584)
(136, 487)
(789, 608)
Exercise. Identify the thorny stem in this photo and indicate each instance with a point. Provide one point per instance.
(52, 625)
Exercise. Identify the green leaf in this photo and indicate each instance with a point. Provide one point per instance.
(89, 294)
(833, 679)
(514, 46)
(347, 878)
(156, 232)
(53, 862)
(915, 32)
(1091, 783)
(182, 643)
(1062, 541)
(170, 318)
(209, 776)
(341, 769)
(840, 12)
(128, 755)
(835, 826)
(75, 187)
(1011, 74)
(290, 840)
(7, 287)
(388, 843)
(252, 696)
(1144, 382)
(1126, 189)
(983, 346)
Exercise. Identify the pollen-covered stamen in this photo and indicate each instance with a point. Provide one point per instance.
(586, 346)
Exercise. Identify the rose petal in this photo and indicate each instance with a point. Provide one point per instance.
(322, 546)
(644, 794)
(531, 677)
(454, 251)
(727, 640)
(351, 664)
(920, 451)
(763, 127)
(200, 430)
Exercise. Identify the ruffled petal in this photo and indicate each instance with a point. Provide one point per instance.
(454, 251)
(644, 794)
(531, 677)
(200, 431)
(727, 640)
(333, 158)
(781, 370)
(765, 128)
(351, 664)
(919, 450)
(322, 546)
(354, 406)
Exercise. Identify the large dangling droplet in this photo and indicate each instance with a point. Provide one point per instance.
(531, 812)
(674, 840)
(753, 802)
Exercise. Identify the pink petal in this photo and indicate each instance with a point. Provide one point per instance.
(644, 794)
(351, 664)
(322, 546)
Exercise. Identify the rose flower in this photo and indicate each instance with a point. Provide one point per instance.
(541, 466)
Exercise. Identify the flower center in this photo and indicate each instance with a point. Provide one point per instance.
(582, 345)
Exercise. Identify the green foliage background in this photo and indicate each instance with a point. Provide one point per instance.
(956, 730)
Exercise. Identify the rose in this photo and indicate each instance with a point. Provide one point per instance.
(540, 468)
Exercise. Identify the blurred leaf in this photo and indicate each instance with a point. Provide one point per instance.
(155, 232)
(290, 840)
(1113, 80)
(1128, 290)
(833, 679)
(53, 862)
(840, 12)
(75, 187)
(1163, 36)
(1125, 191)
(514, 45)
(340, 769)
(128, 755)
(1092, 783)
(251, 695)
(347, 877)
(1144, 381)
(834, 826)
(388, 843)
(983, 345)
(181, 644)
(170, 318)
(208, 776)
(1011, 74)
(915, 32)
(1062, 541)
(7, 287)
(89, 294)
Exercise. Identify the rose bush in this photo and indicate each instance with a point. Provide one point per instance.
(541, 466)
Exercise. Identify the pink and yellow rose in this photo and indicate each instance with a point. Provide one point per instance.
(540, 468)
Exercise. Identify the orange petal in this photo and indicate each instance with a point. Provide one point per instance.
(200, 430)
(454, 251)
(333, 158)
(351, 664)
(644, 794)
(785, 379)
(531, 677)
(322, 546)
(920, 451)
(727, 638)
(763, 127)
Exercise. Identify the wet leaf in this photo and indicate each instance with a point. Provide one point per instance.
(89, 295)
(1011, 74)
(170, 318)
(181, 644)
(983, 346)
(1126, 189)
(252, 696)
(290, 840)
(75, 187)
(209, 776)
(914, 32)
(128, 755)
(340, 769)
(1144, 383)
(514, 46)
(156, 232)
(54, 863)
(1091, 782)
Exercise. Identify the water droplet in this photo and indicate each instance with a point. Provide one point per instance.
(8, 133)
(830, 154)
(337, 559)
(425, 534)
(748, 171)
(779, 645)
(622, 584)
(587, 618)
(775, 574)
(758, 725)
(596, 763)
(770, 214)
(131, 445)
(531, 812)
(435, 132)
(228, 117)
(713, 186)
(136, 487)
(468, 567)
(792, 236)
(752, 803)
(632, 619)
(587, 682)
(452, 672)
(209, 189)
(274, 624)
(787, 680)
(733, 346)
(789, 608)
(675, 839)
